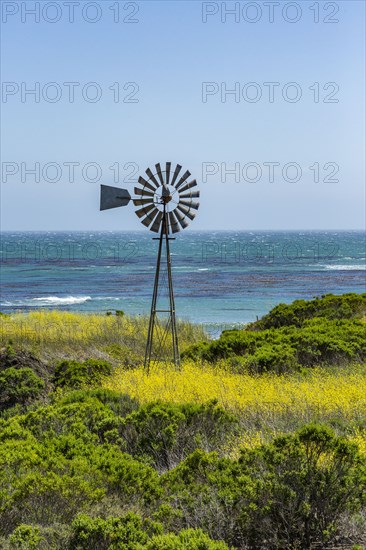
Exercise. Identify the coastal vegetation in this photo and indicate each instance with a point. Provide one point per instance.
(257, 442)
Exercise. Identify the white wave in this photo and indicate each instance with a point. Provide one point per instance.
(56, 300)
(346, 267)
(203, 269)
(110, 298)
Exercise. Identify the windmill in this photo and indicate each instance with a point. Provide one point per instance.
(165, 202)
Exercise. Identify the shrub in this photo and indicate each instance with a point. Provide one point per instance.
(72, 374)
(25, 537)
(304, 483)
(192, 539)
(131, 532)
(276, 358)
(120, 403)
(18, 386)
(287, 495)
(329, 306)
(280, 349)
(108, 534)
(165, 433)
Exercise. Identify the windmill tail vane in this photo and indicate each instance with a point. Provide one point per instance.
(165, 202)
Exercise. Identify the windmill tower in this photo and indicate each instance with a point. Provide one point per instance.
(165, 201)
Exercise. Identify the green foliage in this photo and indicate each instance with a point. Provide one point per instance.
(114, 533)
(131, 532)
(286, 495)
(194, 539)
(121, 404)
(92, 468)
(25, 537)
(346, 306)
(303, 482)
(18, 386)
(165, 433)
(289, 338)
(72, 374)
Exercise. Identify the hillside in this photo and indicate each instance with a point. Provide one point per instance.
(259, 441)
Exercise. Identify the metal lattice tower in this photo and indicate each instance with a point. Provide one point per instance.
(165, 201)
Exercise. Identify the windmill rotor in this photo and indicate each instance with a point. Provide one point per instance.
(165, 202)
(162, 190)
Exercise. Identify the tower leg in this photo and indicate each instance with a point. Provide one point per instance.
(171, 325)
(150, 333)
(172, 303)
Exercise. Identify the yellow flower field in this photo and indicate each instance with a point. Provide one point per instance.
(328, 393)
(80, 334)
(267, 404)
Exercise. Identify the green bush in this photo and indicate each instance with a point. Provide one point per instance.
(131, 532)
(304, 483)
(276, 358)
(120, 403)
(18, 386)
(25, 537)
(72, 374)
(192, 539)
(287, 495)
(289, 338)
(346, 306)
(165, 433)
(114, 533)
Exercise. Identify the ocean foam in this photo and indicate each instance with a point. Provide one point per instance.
(346, 267)
(56, 300)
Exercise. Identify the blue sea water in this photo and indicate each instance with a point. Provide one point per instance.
(220, 278)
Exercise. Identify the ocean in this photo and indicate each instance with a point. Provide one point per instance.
(221, 279)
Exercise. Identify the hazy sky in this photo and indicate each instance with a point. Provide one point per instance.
(120, 86)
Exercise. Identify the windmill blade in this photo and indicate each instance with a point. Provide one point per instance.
(113, 197)
(157, 223)
(143, 193)
(181, 219)
(190, 204)
(183, 179)
(173, 222)
(145, 183)
(190, 195)
(144, 211)
(158, 170)
(149, 219)
(167, 172)
(178, 168)
(189, 185)
(140, 202)
(186, 212)
(152, 177)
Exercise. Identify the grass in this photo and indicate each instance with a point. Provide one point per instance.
(58, 334)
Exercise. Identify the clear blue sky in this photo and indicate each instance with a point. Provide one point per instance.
(169, 53)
